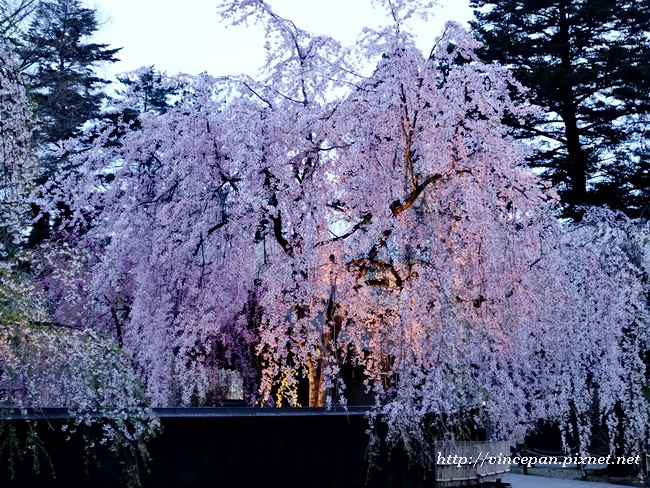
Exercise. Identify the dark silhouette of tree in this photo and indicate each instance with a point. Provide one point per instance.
(62, 66)
(587, 63)
(63, 84)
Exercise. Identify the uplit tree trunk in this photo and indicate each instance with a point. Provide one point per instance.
(316, 366)
(316, 393)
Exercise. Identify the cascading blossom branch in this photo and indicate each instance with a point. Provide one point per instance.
(42, 363)
(17, 164)
(323, 219)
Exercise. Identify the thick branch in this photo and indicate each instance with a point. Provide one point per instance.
(277, 232)
(362, 263)
(118, 327)
(54, 325)
(212, 229)
(407, 130)
(397, 207)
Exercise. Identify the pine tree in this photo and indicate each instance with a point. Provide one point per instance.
(66, 91)
(147, 86)
(64, 84)
(587, 63)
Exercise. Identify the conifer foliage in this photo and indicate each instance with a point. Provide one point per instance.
(587, 64)
(61, 64)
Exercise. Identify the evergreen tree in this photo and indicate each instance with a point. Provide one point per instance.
(587, 63)
(66, 91)
(64, 84)
(147, 86)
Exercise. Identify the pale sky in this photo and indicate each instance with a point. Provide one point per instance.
(188, 37)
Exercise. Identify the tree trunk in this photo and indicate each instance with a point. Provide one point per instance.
(577, 164)
(316, 393)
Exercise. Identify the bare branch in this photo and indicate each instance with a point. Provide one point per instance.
(257, 94)
(366, 218)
